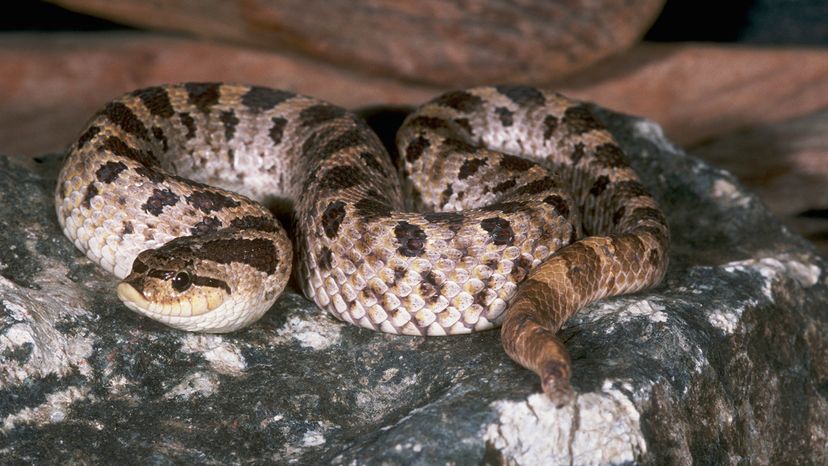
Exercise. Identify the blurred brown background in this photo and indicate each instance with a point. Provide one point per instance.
(742, 84)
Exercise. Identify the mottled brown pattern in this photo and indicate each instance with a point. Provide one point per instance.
(362, 256)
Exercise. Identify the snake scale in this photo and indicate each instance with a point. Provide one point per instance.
(516, 208)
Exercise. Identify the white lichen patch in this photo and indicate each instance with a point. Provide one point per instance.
(313, 438)
(42, 349)
(224, 357)
(623, 310)
(770, 270)
(653, 132)
(200, 383)
(52, 410)
(730, 194)
(317, 332)
(596, 429)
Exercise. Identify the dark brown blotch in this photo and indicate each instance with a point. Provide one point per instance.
(210, 201)
(411, 238)
(513, 163)
(156, 100)
(109, 171)
(332, 217)
(230, 121)
(91, 191)
(522, 95)
(461, 101)
(578, 120)
(631, 189)
(373, 163)
(117, 146)
(189, 124)
(464, 124)
(506, 116)
(211, 282)
(325, 258)
(469, 167)
(416, 148)
(599, 186)
(123, 116)
(550, 125)
(320, 113)
(88, 135)
(610, 155)
(154, 176)
(558, 203)
(500, 230)
(206, 225)
(158, 200)
(339, 177)
(259, 253)
(128, 227)
(504, 186)
(577, 153)
(371, 209)
(537, 186)
(250, 222)
(263, 98)
(352, 138)
(429, 122)
(277, 129)
(159, 136)
(203, 95)
(453, 220)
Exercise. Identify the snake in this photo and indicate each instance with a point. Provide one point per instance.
(506, 206)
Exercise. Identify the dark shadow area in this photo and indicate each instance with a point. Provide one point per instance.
(36, 16)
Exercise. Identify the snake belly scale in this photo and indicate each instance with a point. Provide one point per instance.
(517, 208)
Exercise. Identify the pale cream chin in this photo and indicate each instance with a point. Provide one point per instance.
(211, 311)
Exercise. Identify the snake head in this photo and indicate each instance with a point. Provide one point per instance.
(178, 291)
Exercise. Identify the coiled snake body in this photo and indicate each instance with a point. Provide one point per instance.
(518, 209)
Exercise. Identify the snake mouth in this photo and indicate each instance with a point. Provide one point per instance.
(196, 305)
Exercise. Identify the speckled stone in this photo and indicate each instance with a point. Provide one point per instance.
(725, 363)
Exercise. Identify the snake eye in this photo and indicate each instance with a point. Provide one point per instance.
(181, 281)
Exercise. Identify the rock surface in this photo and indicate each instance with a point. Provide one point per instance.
(430, 41)
(725, 363)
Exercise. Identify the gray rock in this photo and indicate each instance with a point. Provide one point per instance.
(725, 363)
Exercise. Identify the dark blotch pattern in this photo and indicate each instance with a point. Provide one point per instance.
(464, 123)
(160, 198)
(318, 114)
(210, 201)
(469, 167)
(500, 230)
(416, 148)
(577, 153)
(506, 116)
(277, 130)
(610, 156)
(339, 177)
(109, 171)
(159, 136)
(550, 125)
(504, 186)
(461, 101)
(536, 187)
(352, 138)
(559, 204)
(230, 121)
(207, 225)
(332, 217)
(203, 95)
(128, 228)
(371, 162)
(153, 175)
(370, 209)
(258, 253)
(211, 282)
(631, 188)
(249, 222)
(262, 98)
(325, 258)
(522, 95)
(156, 100)
(412, 239)
(600, 185)
(579, 120)
(188, 123)
(118, 147)
(618, 215)
(91, 191)
(453, 220)
(88, 135)
(429, 122)
(513, 163)
(122, 116)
